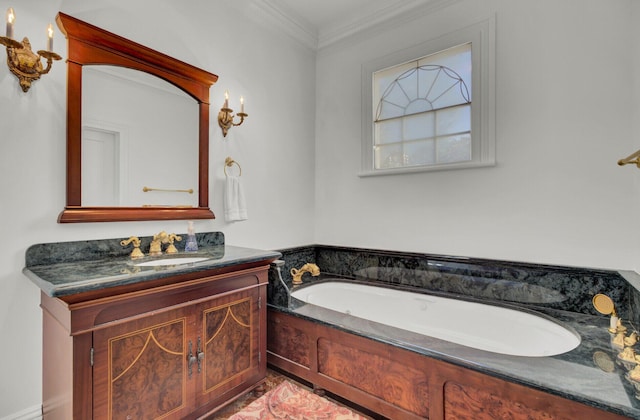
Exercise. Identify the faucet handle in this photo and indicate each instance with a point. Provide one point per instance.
(171, 249)
(136, 253)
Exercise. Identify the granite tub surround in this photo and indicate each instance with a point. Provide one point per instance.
(68, 268)
(590, 374)
(558, 287)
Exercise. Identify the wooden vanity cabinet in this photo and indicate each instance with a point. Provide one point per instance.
(179, 350)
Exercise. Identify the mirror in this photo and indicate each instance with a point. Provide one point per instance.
(140, 151)
(118, 169)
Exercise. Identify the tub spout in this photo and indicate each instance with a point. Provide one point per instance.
(307, 268)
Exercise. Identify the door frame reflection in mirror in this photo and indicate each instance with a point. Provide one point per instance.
(90, 45)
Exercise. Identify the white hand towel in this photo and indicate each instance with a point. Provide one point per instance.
(235, 205)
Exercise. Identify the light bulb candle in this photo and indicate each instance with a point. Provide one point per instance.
(11, 17)
(226, 99)
(242, 104)
(50, 38)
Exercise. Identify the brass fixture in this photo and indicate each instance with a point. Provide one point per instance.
(604, 305)
(147, 189)
(225, 116)
(155, 248)
(618, 340)
(307, 268)
(634, 374)
(22, 61)
(632, 158)
(136, 253)
(171, 249)
(631, 340)
(230, 162)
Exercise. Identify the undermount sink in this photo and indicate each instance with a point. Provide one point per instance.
(171, 261)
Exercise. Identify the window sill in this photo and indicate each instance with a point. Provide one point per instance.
(420, 169)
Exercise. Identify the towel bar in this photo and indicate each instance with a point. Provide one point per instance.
(147, 189)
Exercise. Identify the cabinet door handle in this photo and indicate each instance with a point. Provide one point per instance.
(191, 359)
(200, 354)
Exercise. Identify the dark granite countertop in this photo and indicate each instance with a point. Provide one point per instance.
(67, 268)
(589, 374)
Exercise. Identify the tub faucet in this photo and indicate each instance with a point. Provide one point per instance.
(307, 268)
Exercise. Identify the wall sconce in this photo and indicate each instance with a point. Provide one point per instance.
(225, 116)
(22, 61)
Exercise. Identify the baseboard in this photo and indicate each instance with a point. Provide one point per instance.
(32, 413)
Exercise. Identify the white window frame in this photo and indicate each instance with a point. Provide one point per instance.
(482, 38)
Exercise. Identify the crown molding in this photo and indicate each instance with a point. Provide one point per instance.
(316, 39)
(292, 24)
(398, 11)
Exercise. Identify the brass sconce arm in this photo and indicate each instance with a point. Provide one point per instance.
(226, 117)
(24, 63)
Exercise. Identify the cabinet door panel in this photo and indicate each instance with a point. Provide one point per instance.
(228, 342)
(140, 369)
(230, 334)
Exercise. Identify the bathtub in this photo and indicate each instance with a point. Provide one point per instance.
(496, 329)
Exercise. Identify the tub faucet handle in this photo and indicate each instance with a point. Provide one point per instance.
(311, 268)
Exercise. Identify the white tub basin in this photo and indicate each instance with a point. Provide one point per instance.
(486, 327)
(171, 261)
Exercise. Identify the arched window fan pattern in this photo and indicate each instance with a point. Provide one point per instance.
(423, 115)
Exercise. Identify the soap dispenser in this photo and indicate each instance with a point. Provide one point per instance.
(192, 244)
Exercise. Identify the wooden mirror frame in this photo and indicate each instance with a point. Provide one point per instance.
(90, 45)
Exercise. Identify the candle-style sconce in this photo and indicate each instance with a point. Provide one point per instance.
(22, 61)
(225, 116)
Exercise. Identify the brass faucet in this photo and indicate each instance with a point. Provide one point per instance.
(136, 253)
(311, 268)
(156, 244)
(155, 248)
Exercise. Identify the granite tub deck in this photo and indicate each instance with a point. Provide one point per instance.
(65, 269)
(590, 374)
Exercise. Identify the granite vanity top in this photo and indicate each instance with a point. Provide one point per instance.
(67, 268)
(590, 374)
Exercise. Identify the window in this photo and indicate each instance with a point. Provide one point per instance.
(430, 107)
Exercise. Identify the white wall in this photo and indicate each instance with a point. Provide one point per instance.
(275, 74)
(567, 98)
(565, 106)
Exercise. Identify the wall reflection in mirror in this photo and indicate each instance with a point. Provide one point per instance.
(137, 131)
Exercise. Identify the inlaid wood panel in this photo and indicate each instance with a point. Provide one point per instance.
(228, 347)
(469, 403)
(292, 343)
(147, 371)
(393, 381)
(145, 364)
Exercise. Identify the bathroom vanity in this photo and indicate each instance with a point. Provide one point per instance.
(127, 341)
